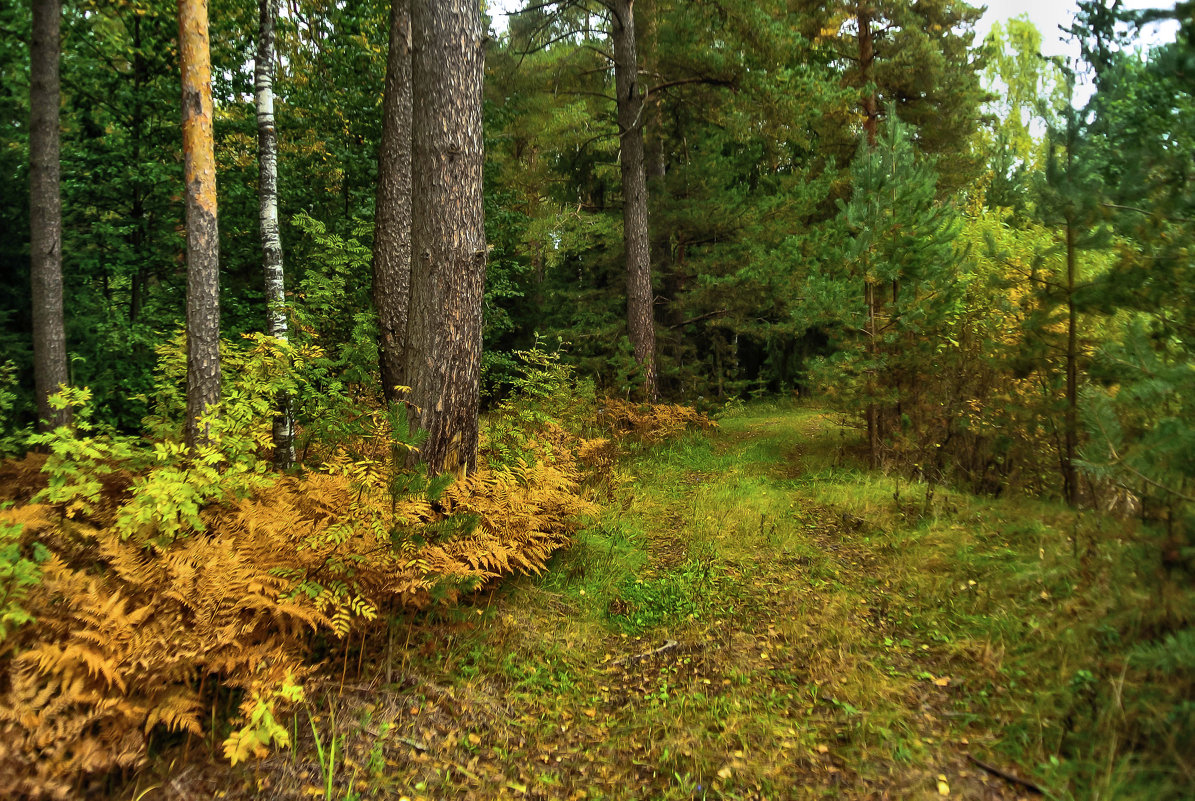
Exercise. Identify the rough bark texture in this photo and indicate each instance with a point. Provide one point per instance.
(640, 314)
(271, 238)
(45, 214)
(443, 364)
(392, 216)
(203, 241)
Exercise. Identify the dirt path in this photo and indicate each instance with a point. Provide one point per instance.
(738, 625)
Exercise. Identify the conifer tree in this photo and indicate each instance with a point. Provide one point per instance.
(636, 239)
(1138, 411)
(392, 210)
(203, 240)
(443, 353)
(914, 57)
(901, 249)
(45, 216)
(1068, 195)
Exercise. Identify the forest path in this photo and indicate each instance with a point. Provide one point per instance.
(751, 617)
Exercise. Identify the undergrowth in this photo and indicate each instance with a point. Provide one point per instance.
(143, 577)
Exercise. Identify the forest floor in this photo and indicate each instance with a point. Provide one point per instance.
(752, 616)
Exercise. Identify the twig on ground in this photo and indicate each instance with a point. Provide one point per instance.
(1008, 777)
(668, 646)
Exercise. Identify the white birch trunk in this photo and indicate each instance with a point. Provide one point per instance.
(271, 239)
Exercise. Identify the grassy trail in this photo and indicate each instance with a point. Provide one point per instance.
(753, 616)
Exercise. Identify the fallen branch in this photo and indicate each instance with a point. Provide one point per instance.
(668, 646)
(1008, 777)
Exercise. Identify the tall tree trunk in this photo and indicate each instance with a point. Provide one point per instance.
(640, 313)
(271, 238)
(1070, 482)
(867, 56)
(137, 205)
(873, 297)
(203, 241)
(443, 362)
(45, 215)
(392, 215)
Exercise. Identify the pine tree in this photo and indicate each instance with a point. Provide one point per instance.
(203, 240)
(636, 239)
(901, 249)
(392, 210)
(914, 57)
(1068, 195)
(443, 354)
(45, 215)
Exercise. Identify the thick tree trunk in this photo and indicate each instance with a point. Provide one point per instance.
(640, 313)
(392, 215)
(271, 237)
(443, 362)
(45, 215)
(203, 241)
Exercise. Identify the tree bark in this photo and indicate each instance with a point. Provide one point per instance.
(443, 363)
(271, 238)
(873, 298)
(871, 111)
(640, 312)
(203, 241)
(1070, 481)
(392, 215)
(45, 215)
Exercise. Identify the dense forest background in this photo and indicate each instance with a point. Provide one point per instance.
(852, 199)
(986, 282)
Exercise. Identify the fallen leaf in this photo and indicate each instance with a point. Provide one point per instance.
(943, 787)
(942, 681)
(823, 749)
(724, 772)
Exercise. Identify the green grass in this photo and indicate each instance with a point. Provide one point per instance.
(839, 633)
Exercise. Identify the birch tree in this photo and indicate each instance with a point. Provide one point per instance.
(271, 239)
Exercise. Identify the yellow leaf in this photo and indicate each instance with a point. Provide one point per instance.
(943, 787)
(943, 681)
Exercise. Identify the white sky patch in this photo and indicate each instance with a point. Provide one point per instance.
(1050, 16)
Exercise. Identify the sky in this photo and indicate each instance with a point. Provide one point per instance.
(1047, 15)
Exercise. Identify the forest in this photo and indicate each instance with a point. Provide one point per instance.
(596, 399)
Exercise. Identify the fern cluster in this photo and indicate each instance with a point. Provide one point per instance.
(128, 628)
(649, 422)
(137, 577)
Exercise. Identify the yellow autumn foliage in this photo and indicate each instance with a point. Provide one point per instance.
(127, 636)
